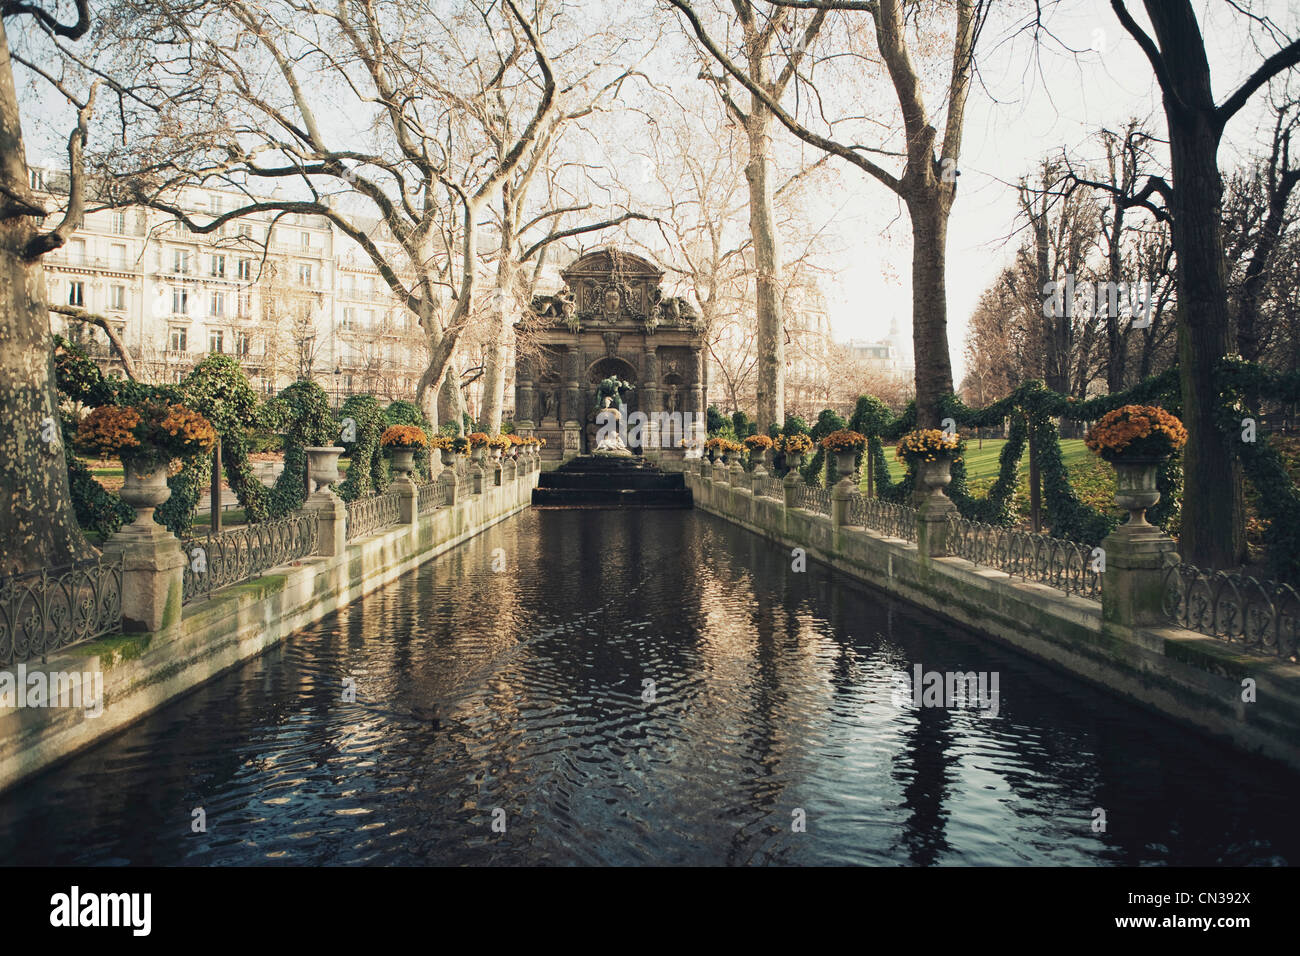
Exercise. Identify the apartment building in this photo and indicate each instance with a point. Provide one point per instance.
(287, 295)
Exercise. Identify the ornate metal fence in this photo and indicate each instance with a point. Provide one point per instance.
(240, 554)
(812, 499)
(769, 487)
(368, 515)
(897, 521)
(1261, 615)
(43, 611)
(1065, 565)
(433, 495)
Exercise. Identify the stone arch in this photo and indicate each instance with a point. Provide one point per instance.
(603, 368)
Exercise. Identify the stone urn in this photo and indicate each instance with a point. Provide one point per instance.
(794, 459)
(323, 465)
(1135, 488)
(844, 464)
(935, 476)
(403, 460)
(496, 454)
(448, 457)
(144, 488)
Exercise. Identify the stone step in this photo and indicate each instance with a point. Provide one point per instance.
(612, 498)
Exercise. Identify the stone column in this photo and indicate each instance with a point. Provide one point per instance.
(572, 413)
(524, 410)
(649, 401)
(697, 384)
(153, 573)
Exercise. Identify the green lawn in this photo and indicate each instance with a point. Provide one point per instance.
(1093, 480)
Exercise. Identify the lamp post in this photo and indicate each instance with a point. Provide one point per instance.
(338, 377)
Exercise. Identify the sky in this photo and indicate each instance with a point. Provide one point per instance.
(1022, 112)
(1030, 101)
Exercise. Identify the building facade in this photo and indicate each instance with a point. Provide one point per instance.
(289, 296)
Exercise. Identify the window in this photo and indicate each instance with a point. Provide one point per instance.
(246, 230)
(181, 261)
(77, 293)
(219, 266)
(180, 301)
(369, 316)
(349, 319)
(77, 251)
(304, 274)
(117, 298)
(120, 329)
(117, 222)
(306, 240)
(217, 304)
(214, 203)
(177, 341)
(215, 339)
(349, 285)
(245, 269)
(245, 305)
(36, 178)
(241, 343)
(118, 255)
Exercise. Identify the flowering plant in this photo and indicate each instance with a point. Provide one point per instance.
(404, 436)
(844, 440)
(461, 445)
(497, 441)
(757, 443)
(1136, 431)
(477, 439)
(148, 433)
(926, 444)
(796, 444)
(441, 442)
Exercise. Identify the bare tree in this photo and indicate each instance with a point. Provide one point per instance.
(927, 183)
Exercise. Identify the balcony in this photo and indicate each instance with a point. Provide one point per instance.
(87, 262)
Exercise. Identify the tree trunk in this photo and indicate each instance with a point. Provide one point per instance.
(37, 526)
(1213, 524)
(768, 266)
(929, 215)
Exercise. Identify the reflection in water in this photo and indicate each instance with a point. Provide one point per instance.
(643, 687)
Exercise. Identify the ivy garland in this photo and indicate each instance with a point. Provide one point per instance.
(368, 472)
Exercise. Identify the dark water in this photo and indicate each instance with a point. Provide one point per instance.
(521, 691)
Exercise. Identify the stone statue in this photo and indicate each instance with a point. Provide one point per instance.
(609, 441)
(565, 299)
(548, 403)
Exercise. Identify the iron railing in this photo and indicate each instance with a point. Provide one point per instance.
(433, 495)
(1065, 565)
(1263, 616)
(768, 487)
(893, 520)
(240, 554)
(368, 515)
(812, 499)
(44, 611)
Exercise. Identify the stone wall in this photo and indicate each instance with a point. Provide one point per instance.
(1191, 677)
(143, 672)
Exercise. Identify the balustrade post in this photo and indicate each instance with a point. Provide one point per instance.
(408, 500)
(1136, 555)
(153, 574)
(932, 518)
